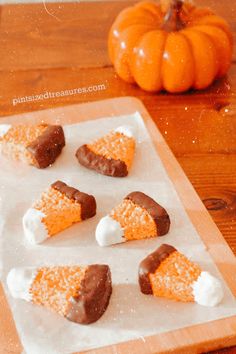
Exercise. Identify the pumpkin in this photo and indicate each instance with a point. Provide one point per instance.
(176, 49)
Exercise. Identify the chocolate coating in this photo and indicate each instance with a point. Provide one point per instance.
(93, 296)
(101, 164)
(150, 265)
(87, 202)
(48, 146)
(157, 212)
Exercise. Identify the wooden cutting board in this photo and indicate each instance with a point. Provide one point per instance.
(195, 339)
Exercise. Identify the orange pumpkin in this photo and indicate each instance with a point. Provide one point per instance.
(184, 47)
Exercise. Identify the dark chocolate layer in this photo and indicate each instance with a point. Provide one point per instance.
(150, 265)
(87, 202)
(157, 212)
(101, 164)
(93, 296)
(48, 146)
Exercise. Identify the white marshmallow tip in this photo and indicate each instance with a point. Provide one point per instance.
(207, 290)
(34, 228)
(19, 281)
(109, 232)
(4, 129)
(126, 130)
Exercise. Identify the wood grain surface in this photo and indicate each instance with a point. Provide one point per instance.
(63, 46)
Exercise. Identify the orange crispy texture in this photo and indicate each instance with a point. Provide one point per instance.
(53, 287)
(115, 146)
(15, 141)
(174, 277)
(135, 221)
(23, 134)
(61, 212)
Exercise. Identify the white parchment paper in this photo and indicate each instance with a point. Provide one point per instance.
(130, 314)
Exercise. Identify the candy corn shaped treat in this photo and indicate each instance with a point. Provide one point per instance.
(111, 155)
(59, 207)
(79, 293)
(37, 145)
(136, 217)
(168, 273)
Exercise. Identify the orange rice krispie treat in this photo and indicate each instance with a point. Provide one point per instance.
(111, 155)
(59, 207)
(137, 217)
(168, 273)
(37, 145)
(79, 293)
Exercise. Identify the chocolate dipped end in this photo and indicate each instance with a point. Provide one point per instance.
(157, 212)
(150, 264)
(101, 164)
(93, 296)
(48, 146)
(87, 202)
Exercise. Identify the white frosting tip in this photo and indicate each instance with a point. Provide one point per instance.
(109, 232)
(34, 228)
(126, 130)
(4, 129)
(207, 290)
(19, 281)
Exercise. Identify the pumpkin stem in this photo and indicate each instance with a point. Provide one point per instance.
(172, 20)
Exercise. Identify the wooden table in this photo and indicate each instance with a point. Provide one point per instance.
(55, 47)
